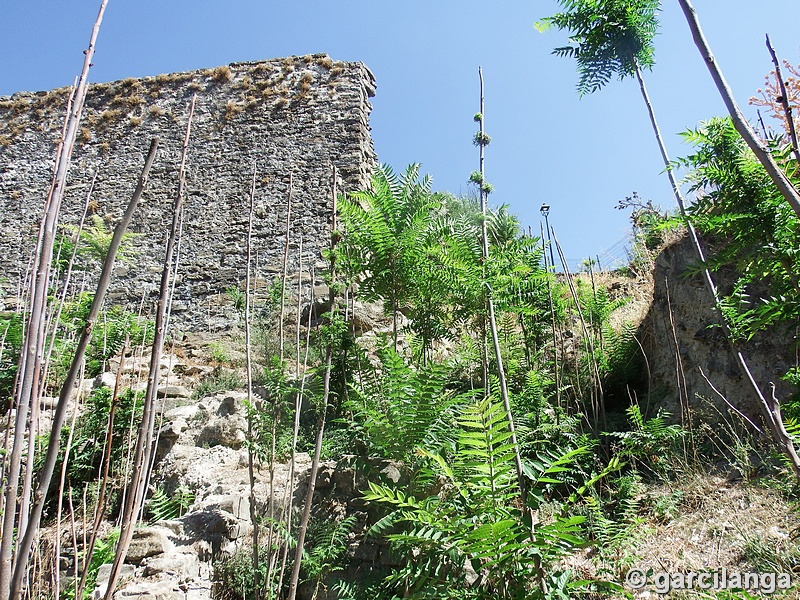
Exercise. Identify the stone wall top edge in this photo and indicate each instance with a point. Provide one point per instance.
(276, 62)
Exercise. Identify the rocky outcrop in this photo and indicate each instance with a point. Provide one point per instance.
(688, 353)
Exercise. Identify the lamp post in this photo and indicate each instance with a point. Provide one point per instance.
(545, 210)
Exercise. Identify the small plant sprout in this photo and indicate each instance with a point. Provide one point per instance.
(476, 177)
(478, 117)
(487, 188)
(481, 139)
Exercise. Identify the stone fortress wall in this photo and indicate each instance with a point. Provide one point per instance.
(297, 116)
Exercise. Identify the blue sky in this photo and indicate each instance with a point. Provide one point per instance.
(579, 155)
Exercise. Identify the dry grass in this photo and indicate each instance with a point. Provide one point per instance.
(110, 115)
(325, 62)
(231, 110)
(222, 74)
(84, 135)
(716, 524)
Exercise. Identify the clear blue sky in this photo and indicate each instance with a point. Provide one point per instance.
(579, 155)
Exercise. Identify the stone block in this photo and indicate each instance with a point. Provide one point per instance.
(146, 542)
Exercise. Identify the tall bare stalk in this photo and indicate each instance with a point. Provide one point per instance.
(762, 153)
(498, 356)
(323, 411)
(289, 496)
(66, 390)
(784, 100)
(100, 506)
(251, 458)
(598, 404)
(284, 273)
(144, 440)
(34, 342)
(62, 483)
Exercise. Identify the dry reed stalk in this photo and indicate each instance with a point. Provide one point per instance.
(759, 148)
(598, 403)
(783, 184)
(298, 405)
(31, 359)
(51, 457)
(249, 360)
(104, 472)
(144, 440)
(326, 388)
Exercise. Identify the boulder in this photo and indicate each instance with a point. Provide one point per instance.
(147, 542)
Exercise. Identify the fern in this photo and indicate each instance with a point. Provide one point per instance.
(649, 442)
(163, 507)
(402, 408)
(328, 543)
(475, 518)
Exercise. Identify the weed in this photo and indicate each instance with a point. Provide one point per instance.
(232, 109)
(667, 507)
(222, 74)
(135, 121)
(164, 78)
(220, 380)
(649, 443)
(103, 554)
(233, 575)
(770, 554)
(110, 115)
(218, 352)
(195, 86)
(85, 135)
(156, 111)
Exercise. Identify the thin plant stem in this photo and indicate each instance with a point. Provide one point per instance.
(51, 457)
(498, 355)
(138, 481)
(326, 388)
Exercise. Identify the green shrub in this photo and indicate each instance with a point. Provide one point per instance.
(219, 380)
(476, 522)
(90, 431)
